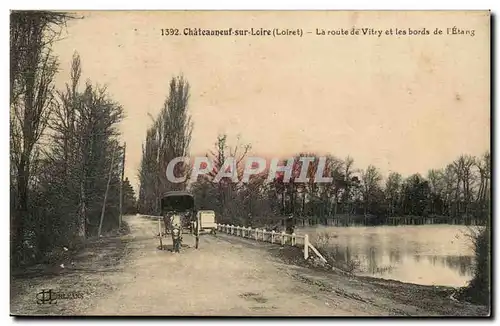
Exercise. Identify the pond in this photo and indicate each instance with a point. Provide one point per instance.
(424, 254)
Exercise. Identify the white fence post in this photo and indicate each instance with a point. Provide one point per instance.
(282, 238)
(256, 234)
(293, 239)
(272, 236)
(306, 246)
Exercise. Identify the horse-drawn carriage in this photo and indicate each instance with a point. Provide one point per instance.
(179, 215)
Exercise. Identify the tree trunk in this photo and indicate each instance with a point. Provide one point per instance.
(82, 222)
(304, 203)
(336, 204)
(21, 204)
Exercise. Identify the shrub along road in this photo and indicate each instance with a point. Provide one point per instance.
(226, 276)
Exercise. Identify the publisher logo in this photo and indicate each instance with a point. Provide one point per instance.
(49, 296)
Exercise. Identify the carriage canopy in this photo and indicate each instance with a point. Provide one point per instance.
(179, 201)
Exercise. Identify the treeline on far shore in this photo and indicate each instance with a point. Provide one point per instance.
(342, 220)
(456, 194)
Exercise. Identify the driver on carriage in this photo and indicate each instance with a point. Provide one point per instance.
(172, 220)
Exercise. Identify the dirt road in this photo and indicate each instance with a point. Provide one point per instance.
(226, 276)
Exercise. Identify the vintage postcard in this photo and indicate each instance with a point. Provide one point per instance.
(250, 163)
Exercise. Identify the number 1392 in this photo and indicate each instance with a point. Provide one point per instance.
(169, 31)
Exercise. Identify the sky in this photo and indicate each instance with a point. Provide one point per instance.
(402, 103)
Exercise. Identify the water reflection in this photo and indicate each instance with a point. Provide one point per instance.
(394, 256)
(461, 264)
(432, 255)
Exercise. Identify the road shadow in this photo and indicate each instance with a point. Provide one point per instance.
(170, 247)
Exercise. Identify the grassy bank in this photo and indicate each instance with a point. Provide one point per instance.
(61, 258)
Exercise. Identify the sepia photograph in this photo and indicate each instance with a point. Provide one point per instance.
(250, 163)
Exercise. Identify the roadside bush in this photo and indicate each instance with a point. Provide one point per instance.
(333, 253)
(478, 289)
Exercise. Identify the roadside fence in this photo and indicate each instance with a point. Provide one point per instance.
(281, 238)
